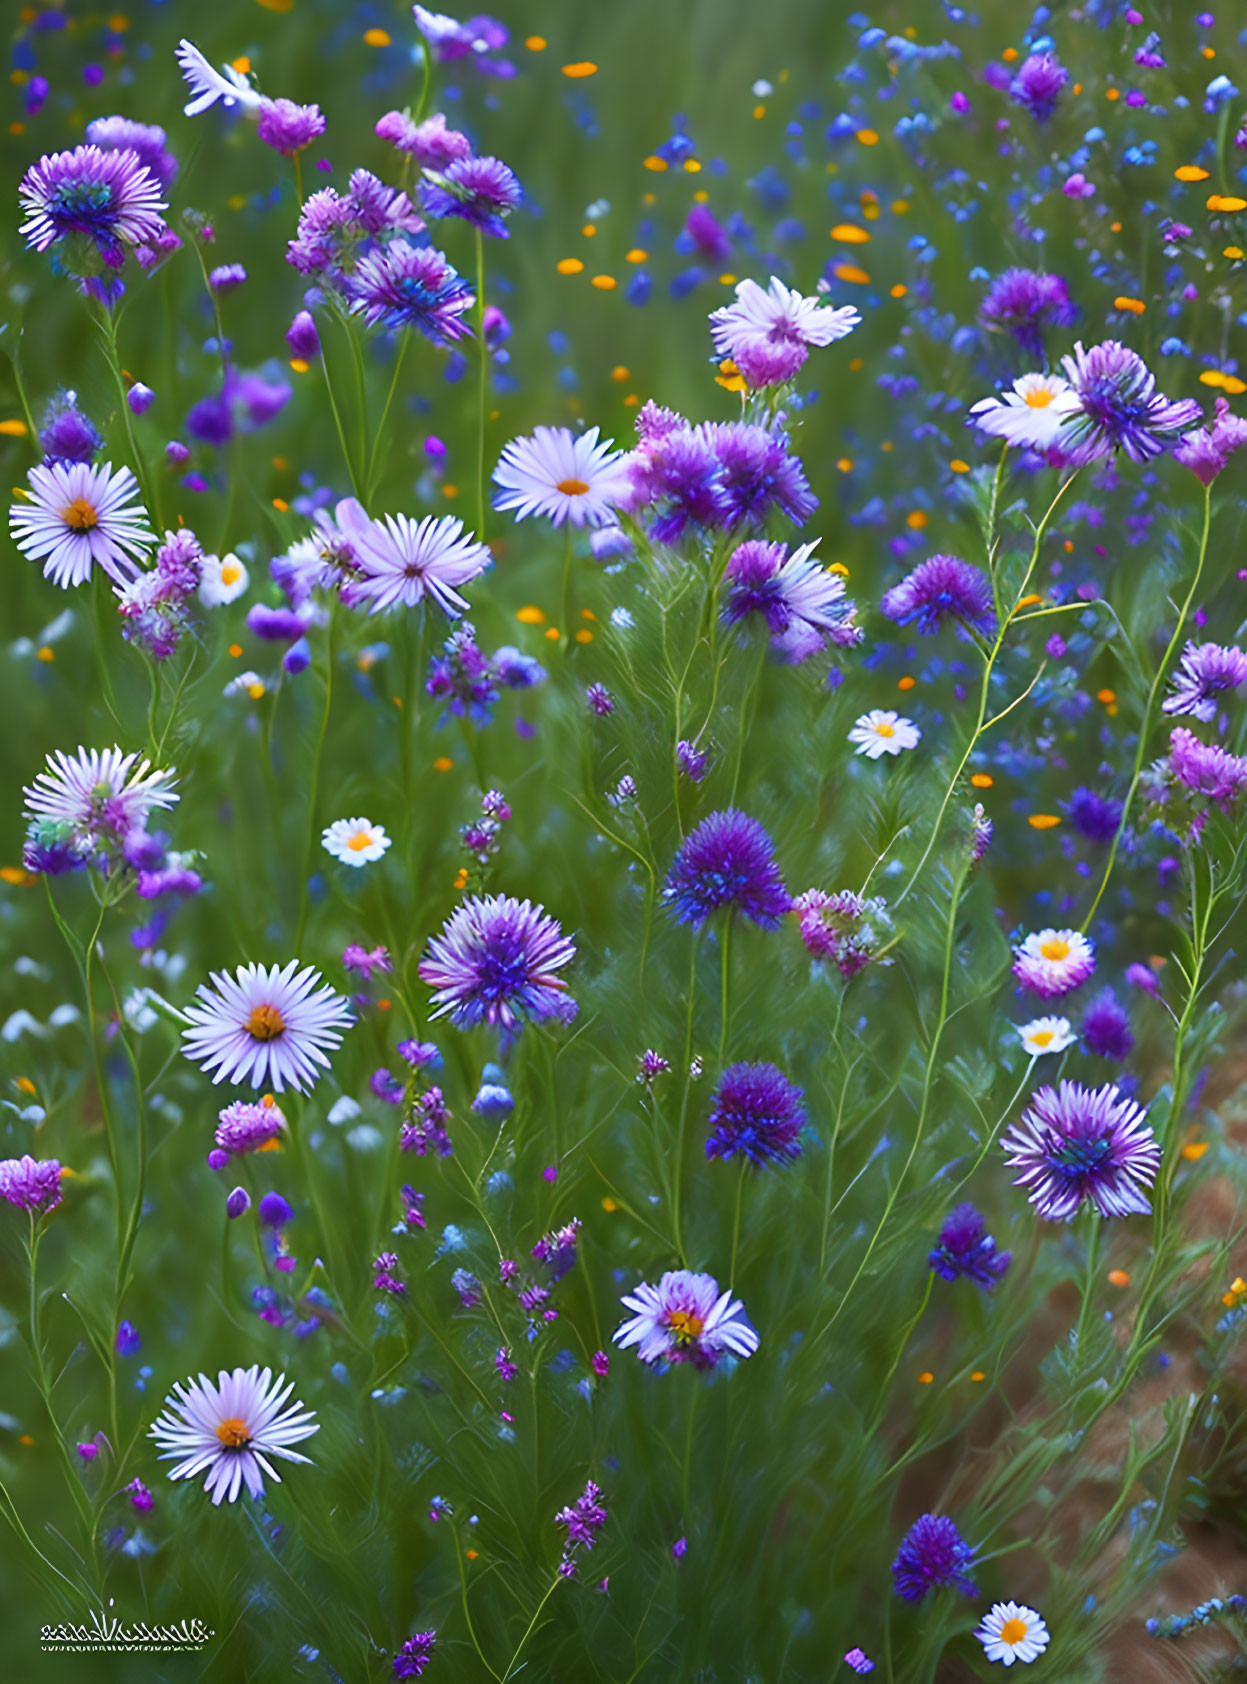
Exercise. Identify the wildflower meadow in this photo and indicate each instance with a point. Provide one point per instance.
(622, 871)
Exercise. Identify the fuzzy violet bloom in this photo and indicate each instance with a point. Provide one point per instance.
(1012, 1632)
(230, 1430)
(768, 332)
(727, 862)
(1206, 769)
(92, 808)
(1023, 302)
(1206, 452)
(1074, 1143)
(801, 601)
(756, 1112)
(1030, 415)
(933, 1554)
(91, 198)
(563, 476)
(1119, 407)
(1038, 84)
(1046, 1035)
(76, 517)
(288, 128)
(246, 1126)
(495, 962)
(480, 190)
(1052, 962)
(354, 842)
(401, 561)
(685, 1318)
(32, 1184)
(415, 1654)
(1106, 1028)
(402, 285)
(940, 588)
(843, 927)
(883, 732)
(965, 1248)
(265, 1026)
(584, 1519)
(1205, 670)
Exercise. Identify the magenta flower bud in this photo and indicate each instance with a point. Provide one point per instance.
(176, 451)
(88, 1452)
(959, 103)
(217, 1158)
(140, 1496)
(140, 398)
(302, 337)
(238, 1203)
(601, 1364)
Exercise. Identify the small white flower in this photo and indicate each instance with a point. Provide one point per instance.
(246, 684)
(355, 841)
(1029, 416)
(222, 579)
(230, 1430)
(1046, 1035)
(1012, 1632)
(882, 732)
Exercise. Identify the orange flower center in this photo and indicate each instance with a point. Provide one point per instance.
(883, 729)
(1013, 1631)
(1039, 397)
(231, 573)
(362, 839)
(80, 516)
(1057, 948)
(1042, 1037)
(265, 1023)
(684, 1324)
(573, 487)
(235, 1434)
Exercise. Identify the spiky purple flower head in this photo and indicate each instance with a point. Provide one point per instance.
(107, 199)
(793, 593)
(1106, 1028)
(1075, 1143)
(495, 962)
(480, 190)
(757, 475)
(933, 1554)
(1095, 816)
(415, 1655)
(1038, 84)
(67, 435)
(289, 128)
(1023, 302)
(32, 1184)
(1205, 670)
(965, 1248)
(756, 1112)
(146, 140)
(728, 861)
(403, 285)
(941, 587)
(1119, 407)
(1205, 768)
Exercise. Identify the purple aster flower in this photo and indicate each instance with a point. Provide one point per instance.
(265, 1026)
(1052, 962)
(415, 1655)
(401, 561)
(1206, 451)
(757, 1112)
(1038, 84)
(768, 331)
(1205, 768)
(411, 286)
(652, 1065)
(1119, 407)
(289, 128)
(67, 436)
(558, 1248)
(1096, 816)
(109, 199)
(685, 1318)
(94, 802)
(937, 588)
(245, 1126)
(933, 1554)
(691, 760)
(361, 961)
(1023, 302)
(728, 861)
(146, 140)
(790, 592)
(1106, 1028)
(430, 143)
(480, 190)
(1144, 977)
(965, 1248)
(1074, 1143)
(32, 1184)
(584, 1519)
(599, 700)
(756, 474)
(674, 473)
(1204, 671)
(78, 517)
(495, 962)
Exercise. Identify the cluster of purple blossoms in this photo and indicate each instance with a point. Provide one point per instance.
(941, 588)
(467, 681)
(844, 927)
(1204, 672)
(1205, 451)
(652, 1064)
(415, 1654)
(431, 143)
(334, 228)
(31, 1184)
(691, 760)
(384, 1276)
(92, 809)
(246, 1126)
(155, 607)
(558, 1248)
(481, 837)
(933, 1554)
(480, 190)
(1074, 1143)
(758, 1113)
(475, 40)
(726, 863)
(1119, 407)
(599, 700)
(584, 1519)
(1038, 83)
(801, 602)
(147, 141)
(496, 961)
(91, 204)
(1206, 769)
(1023, 302)
(965, 1249)
(424, 1131)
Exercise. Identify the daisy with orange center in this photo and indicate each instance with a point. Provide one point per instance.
(1053, 962)
(1046, 1035)
(355, 841)
(1030, 415)
(1012, 1632)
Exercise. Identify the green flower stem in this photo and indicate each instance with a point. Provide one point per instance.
(313, 793)
(483, 390)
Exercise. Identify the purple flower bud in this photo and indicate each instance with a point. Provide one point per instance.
(227, 276)
(176, 451)
(140, 398)
(140, 1496)
(217, 1158)
(128, 1341)
(302, 337)
(238, 1203)
(297, 658)
(601, 1364)
(275, 625)
(274, 1211)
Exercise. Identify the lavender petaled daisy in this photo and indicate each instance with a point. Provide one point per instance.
(80, 517)
(355, 842)
(1119, 407)
(400, 561)
(727, 862)
(1052, 962)
(495, 962)
(1012, 1632)
(1206, 768)
(778, 316)
(933, 1554)
(1205, 670)
(109, 198)
(402, 285)
(101, 796)
(966, 1249)
(685, 1318)
(562, 475)
(883, 732)
(31, 1184)
(1074, 1143)
(756, 1112)
(765, 579)
(940, 587)
(265, 1027)
(480, 190)
(230, 1430)
(1030, 415)
(1046, 1035)
(207, 85)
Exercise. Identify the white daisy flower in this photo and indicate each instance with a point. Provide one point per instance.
(562, 475)
(355, 841)
(222, 579)
(208, 85)
(231, 1429)
(246, 684)
(1051, 962)
(779, 314)
(78, 517)
(1012, 1632)
(1031, 415)
(882, 732)
(99, 790)
(265, 1027)
(1046, 1035)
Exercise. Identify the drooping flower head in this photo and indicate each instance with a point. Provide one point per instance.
(1074, 1143)
(933, 1554)
(89, 197)
(1205, 768)
(1052, 962)
(1038, 84)
(768, 332)
(685, 1318)
(757, 1113)
(1023, 302)
(966, 1249)
(801, 601)
(727, 862)
(1030, 415)
(1012, 1632)
(32, 1184)
(402, 285)
(79, 517)
(398, 562)
(1119, 407)
(1205, 670)
(940, 588)
(231, 1429)
(496, 961)
(480, 190)
(563, 476)
(265, 1027)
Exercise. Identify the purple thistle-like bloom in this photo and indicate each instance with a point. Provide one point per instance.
(599, 700)
(1096, 816)
(1119, 407)
(108, 198)
(1206, 451)
(691, 760)
(941, 586)
(933, 1554)
(480, 190)
(965, 1248)
(245, 1125)
(265, 1026)
(145, 140)
(1038, 84)
(756, 474)
(675, 474)
(728, 861)
(1106, 1028)
(67, 435)
(289, 128)
(430, 143)
(1074, 1143)
(1024, 301)
(756, 1112)
(495, 962)
(415, 1655)
(584, 1519)
(792, 593)
(32, 1184)
(411, 286)
(1205, 768)
(1203, 672)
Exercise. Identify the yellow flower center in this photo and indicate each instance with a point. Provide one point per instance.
(362, 839)
(231, 572)
(684, 1324)
(573, 487)
(265, 1023)
(235, 1433)
(1042, 1037)
(1013, 1631)
(883, 729)
(1057, 948)
(1039, 397)
(80, 516)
